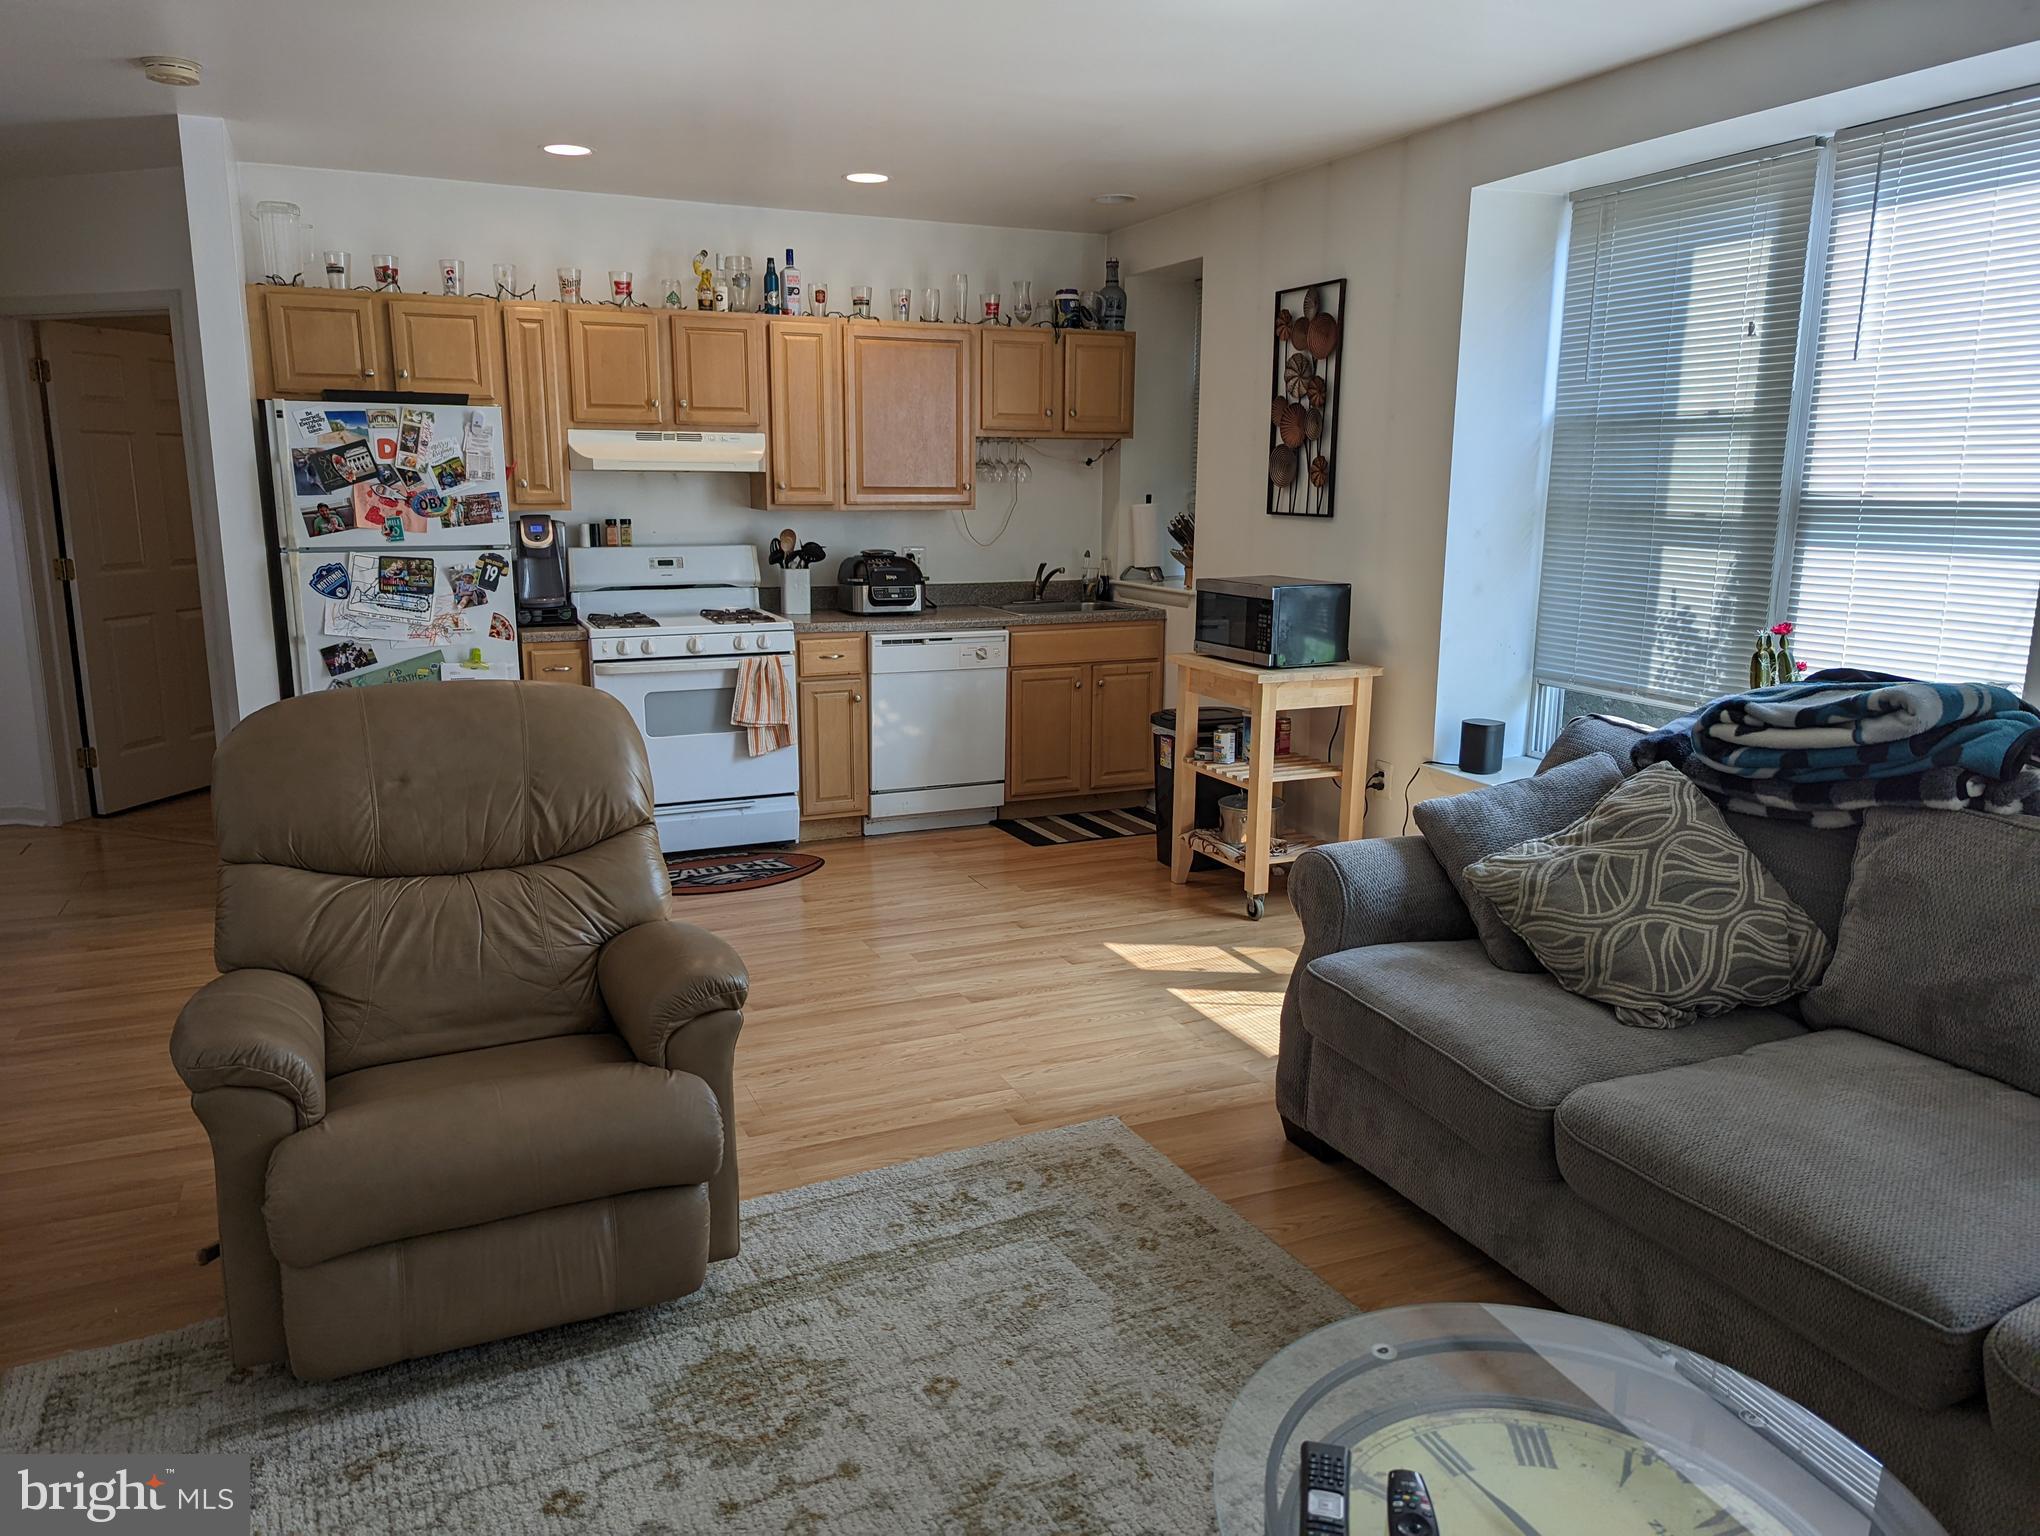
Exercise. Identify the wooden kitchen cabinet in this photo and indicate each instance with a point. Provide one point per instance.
(445, 346)
(1097, 384)
(718, 364)
(1078, 701)
(323, 338)
(534, 405)
(1047, 719)
(614, 366)
(804, 431)
(554, 661)
(909, 424)
(1019, 381)
(1123, 695)
(835, 748)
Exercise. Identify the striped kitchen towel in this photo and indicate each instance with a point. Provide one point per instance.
(764, 704)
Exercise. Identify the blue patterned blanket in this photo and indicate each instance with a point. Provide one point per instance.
(1831, 746)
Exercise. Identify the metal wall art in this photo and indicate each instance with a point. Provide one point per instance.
(1303, 413)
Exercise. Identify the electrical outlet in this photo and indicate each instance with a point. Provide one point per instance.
(1377, 776)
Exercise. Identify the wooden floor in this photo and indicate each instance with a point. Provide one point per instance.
(919, 993)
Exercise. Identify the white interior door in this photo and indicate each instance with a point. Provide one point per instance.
(126, 509)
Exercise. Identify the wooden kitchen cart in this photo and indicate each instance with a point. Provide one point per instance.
(1263, 692)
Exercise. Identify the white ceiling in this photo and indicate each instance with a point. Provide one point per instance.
(1012, 114)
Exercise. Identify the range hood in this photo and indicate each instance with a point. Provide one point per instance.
(735, 453)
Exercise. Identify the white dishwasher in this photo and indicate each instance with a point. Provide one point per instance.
(938, 729)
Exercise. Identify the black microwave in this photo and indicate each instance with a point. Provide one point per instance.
(1273, 621)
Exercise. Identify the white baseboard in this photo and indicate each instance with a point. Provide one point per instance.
(25, 816)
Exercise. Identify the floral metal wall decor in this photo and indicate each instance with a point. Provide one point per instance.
(1303, 415)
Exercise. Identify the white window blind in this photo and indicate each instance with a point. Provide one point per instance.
(1672, 412)
(1916, 533)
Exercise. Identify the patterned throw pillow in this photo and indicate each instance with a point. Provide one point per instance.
(1649, 903)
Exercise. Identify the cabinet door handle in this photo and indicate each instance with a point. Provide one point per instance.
(368, 373)
(856, 698)
(781, 484)
(1080, 682)
(403, 373)
(831, 656)
(1046, 411)
(683, 405)
(523, 484)
(555, 669)
(1073, 411)
(966, 485)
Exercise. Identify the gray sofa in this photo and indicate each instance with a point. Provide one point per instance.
(1851, 1222)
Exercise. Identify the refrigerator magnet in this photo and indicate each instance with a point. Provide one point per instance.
(500, 627)
(327, 518)
(330, 580)
(491, 567)
(347, 656)
(481, 508)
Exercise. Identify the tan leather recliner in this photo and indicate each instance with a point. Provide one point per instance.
(462, 1076)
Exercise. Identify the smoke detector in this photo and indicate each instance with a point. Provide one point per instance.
(168, 69)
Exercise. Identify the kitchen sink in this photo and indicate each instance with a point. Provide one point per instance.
(1035, 605)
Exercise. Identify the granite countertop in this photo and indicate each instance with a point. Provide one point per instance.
(556, 634)
(833, 620)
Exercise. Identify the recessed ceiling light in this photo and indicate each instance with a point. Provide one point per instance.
(867, 178)
(1115, 197)
(168, 69)
(568, 149)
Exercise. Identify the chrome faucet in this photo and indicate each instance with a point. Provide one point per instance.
(1042, 577)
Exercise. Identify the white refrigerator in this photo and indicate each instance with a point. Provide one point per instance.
(393, 542)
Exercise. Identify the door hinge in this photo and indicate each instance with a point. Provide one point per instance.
(39, 369)
(88, 757)
(63, 568)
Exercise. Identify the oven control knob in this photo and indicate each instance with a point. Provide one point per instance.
(694, 642)
(644, 647)
(738, 641)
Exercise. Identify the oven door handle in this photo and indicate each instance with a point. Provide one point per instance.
(655, 668)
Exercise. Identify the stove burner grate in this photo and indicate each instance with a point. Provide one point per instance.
(622, 621)
(736, 616)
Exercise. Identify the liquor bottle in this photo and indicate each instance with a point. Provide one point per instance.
(792, 299)
(771, 305)
(1112, 300)
(704, 282)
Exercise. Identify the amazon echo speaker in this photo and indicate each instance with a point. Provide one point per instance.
(1480, 746)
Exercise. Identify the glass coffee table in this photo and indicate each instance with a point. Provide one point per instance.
(1530, 1423)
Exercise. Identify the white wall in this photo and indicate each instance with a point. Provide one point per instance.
(1393, 221)
(1162, 311)
(67, 244)
(1058, 513)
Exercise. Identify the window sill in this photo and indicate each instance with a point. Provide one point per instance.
(1439, 779)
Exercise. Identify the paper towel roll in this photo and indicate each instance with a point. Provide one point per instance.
(1140, 533)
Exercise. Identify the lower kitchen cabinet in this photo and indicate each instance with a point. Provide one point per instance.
(835, 748)
(1123, 696)
(1046, 719)
(1078, 699)
(553, 661)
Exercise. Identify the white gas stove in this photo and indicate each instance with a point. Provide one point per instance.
(669, 626)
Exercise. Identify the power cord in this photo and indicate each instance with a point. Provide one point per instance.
(1429, 762)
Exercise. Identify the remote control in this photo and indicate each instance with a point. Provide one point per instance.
(1323, 1485)
(1409, 1505)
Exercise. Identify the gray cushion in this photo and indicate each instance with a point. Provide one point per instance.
(2011, 1377)
(1649, 903)
(1812, 863)
(1490, 1053)
(1879, 1202)
(1938, 948)
(1463, 828)
(1586, 734)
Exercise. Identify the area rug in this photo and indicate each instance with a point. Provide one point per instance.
(1080, 826)
(693, 876)
(1038, 1335)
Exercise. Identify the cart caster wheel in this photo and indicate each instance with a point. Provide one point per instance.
(1255, 907)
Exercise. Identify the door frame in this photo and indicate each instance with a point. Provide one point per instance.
(55, 719)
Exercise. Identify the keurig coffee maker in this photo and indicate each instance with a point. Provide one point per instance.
(542, 590)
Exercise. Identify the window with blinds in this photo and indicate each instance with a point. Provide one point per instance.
(1916, 530)
(1672, 415)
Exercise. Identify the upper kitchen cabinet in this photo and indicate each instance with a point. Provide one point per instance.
(804, 432)
(1019, 380)
(909, 425)
(445, 346)
(1097, 384)
(613, 366)
(322, 338)
(534, 404)
(718, 371)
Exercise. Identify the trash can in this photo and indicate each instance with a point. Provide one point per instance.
(1209, 791)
